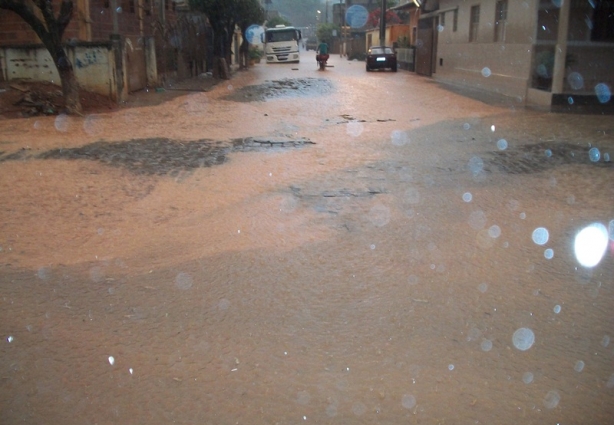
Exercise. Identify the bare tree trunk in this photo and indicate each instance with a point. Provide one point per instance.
(70, 86)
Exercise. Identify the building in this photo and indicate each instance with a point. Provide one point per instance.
(542, 53)
(115, 46)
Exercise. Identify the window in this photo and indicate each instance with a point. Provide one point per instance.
(500, 20)
(455, 20)
(474, 23)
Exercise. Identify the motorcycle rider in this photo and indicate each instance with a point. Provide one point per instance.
(322, 52)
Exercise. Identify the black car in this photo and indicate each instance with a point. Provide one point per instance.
(381, 57)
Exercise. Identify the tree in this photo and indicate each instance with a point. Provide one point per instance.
(325, 32)
(50, 31)
(278, 20)
(249, 12)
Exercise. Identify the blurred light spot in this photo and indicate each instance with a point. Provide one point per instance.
(549, 254)
(579, 366)
(450, 367)
(118, 10)
(408, 401)
(467, 197)
(570, 100)
(466, 126)
(486, 72)
(486, 345)
(9, 339)
(183, 281)
(229, 87)
(557, 309)
(575, 80)
(483, 287)
(111, 360)
(399, 138)
(591, 244)
(494, 231)
(605, 341)
(354, 128)
(611, 229)
(492, 128)
(372, 246)
(379, 215)
(552, 399)
(476, 165)
(502, 144)
(440, 28)
(61, 123)
(548, 153)
(603, 93)
(523, 339)
(527, 377)
(594, 155)
(477, 219)
(540, 236)
(37, 125)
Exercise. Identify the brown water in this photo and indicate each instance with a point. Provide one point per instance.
(377, 276)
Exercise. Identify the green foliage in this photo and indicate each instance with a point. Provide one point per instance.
(325, 32)
(255, 53)
(278, 20)
(403, 41)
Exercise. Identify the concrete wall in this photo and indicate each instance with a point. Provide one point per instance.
(501, 67)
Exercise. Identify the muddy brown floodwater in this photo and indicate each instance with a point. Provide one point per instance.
(296, 246)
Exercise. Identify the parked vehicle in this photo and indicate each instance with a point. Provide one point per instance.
(381, 57)
(311, 44)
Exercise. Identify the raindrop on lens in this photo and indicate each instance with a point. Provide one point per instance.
(440, 28)
(540, 236)
(486, 345)
(111, 360)
(548, 153)
(399, 138)
(570, 100)
(118, 10)
(557, 309)
(591, 244)
(502, 144)
(549, 254)
(575, 80)
(450, 367)
(552, 399)
(9, 339)
(408, 401)
(482, 287)
(605, 341)
(594, 154)
(467, 197)
(579, 366)
(61, 123)
(466, 126)
(494, 231)
(603, 93)
(606, 157)
(527, 378)
(486, 72)
(476, 164)
(523, 339)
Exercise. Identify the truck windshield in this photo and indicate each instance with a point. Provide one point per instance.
(273, 36)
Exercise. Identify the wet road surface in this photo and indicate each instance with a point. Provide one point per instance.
(371, 257)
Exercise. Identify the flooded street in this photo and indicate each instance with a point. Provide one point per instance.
(302, 246)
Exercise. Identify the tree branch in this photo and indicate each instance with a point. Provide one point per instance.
(27, 14)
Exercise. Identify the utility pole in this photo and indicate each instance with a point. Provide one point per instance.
(382, 24)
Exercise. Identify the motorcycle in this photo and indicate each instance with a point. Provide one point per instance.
(321, 59)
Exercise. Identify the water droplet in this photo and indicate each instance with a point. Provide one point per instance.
(466, 126)
(591, 244)
(570, 100)
(408, 401)
(10, 339)
(557, 309)
(522, 216)
(131, 371)
(412, 280)
(579, 366)
(549, 254)
(540, 236)
(372, 246)
(61, 123)
(379, 215)
(502, 144)
(548, 153)
(494, 231)
(111, 360)
(486, 345)
(486, 72)
(603, 93)
(229, 87)
(606, 157)
(492, 128)
(399, 138)
(354, 128)
(605, 341)
(467, 197)
(303, 397)
(477, 220)
(575, 80)
(527, 377)
(184, 281)
(359, 408)
(483, 287)
(440, 28)
(552, 399)
(594, 155)
(523, 339)
(610, 383)
(118, 10)
(450, 367)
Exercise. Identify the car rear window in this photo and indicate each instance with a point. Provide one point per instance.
(377, 50)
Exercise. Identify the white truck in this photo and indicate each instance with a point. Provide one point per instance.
(281, 44)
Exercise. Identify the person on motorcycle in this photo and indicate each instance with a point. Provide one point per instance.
(322, 52)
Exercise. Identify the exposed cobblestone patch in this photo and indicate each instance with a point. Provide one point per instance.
(538, 157)
(161, 156)
(287, 87)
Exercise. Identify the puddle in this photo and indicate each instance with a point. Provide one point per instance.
(287, 87)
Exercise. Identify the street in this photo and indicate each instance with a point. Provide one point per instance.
(304, 246)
